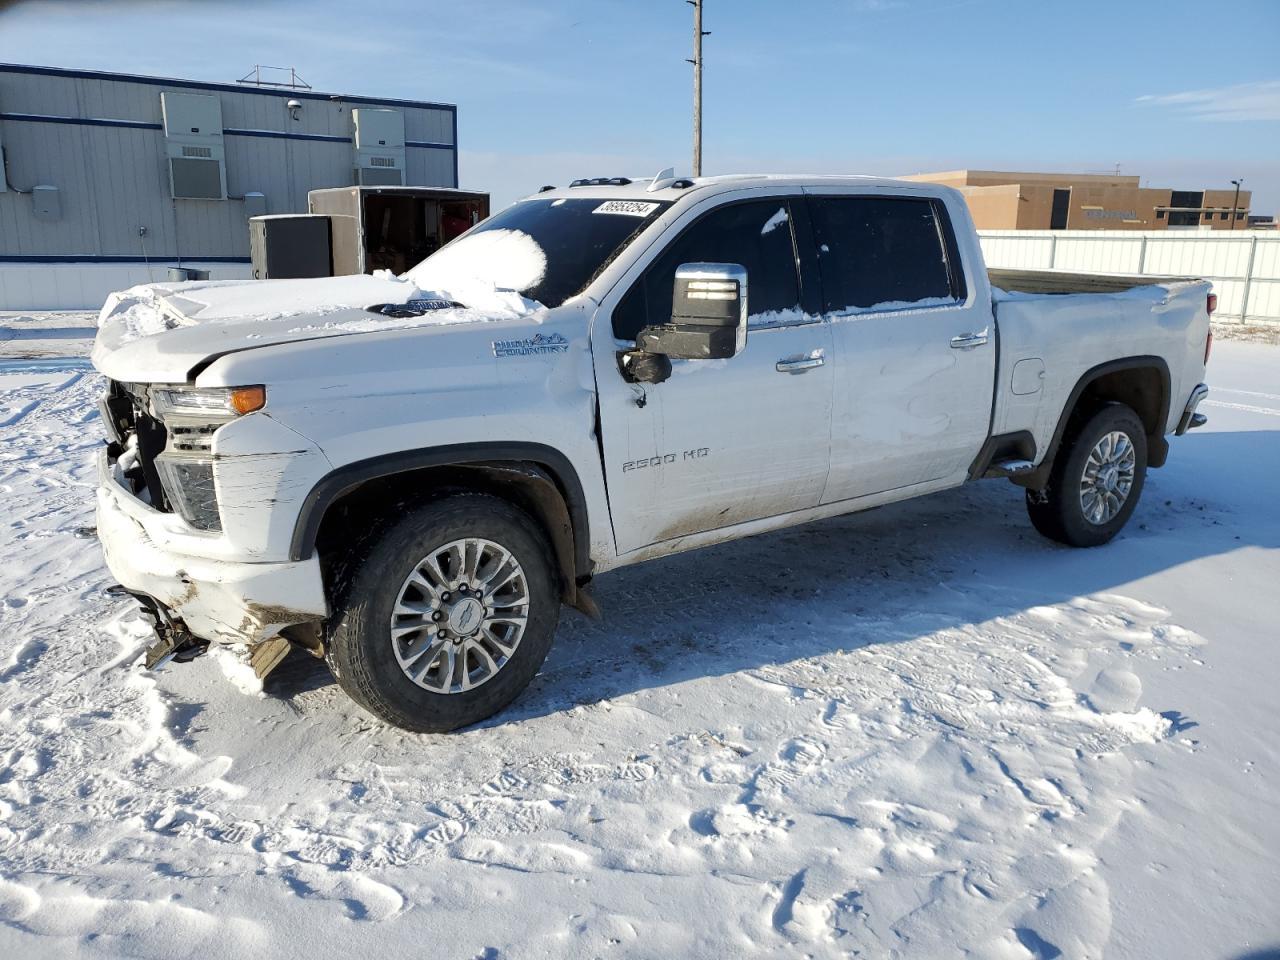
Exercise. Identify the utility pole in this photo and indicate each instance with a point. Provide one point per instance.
(698, 34)
(1235, 204)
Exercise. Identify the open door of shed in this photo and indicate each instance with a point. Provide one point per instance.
(394, 228)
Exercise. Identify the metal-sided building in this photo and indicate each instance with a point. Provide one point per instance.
(108, 180)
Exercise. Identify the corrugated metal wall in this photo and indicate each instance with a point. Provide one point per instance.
(1244, 266)
(98, 138)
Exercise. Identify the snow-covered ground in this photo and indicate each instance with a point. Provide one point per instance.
(54, 333)
(917, 732)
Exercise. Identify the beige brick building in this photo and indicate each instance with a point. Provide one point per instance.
(1002, 200)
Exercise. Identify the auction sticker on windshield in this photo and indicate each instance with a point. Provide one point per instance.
(629, 208)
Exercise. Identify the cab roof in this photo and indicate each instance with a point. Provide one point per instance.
(675, 188)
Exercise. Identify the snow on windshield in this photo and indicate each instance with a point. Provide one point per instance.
(497, 259)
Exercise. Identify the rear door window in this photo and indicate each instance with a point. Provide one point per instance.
(757, 234)
(881, 252)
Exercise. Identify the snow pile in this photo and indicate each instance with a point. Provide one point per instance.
(237, 668)
(494, 260)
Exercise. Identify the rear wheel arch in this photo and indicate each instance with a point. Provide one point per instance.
(1141, 383)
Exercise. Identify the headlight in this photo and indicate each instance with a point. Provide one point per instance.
(191, 416)
(221, 403)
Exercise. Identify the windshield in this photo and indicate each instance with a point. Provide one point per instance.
(546, 250)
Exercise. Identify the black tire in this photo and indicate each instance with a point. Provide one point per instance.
(360, 651)
(1056, 511)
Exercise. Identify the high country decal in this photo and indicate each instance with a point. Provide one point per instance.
(665, 459)
(531, 346)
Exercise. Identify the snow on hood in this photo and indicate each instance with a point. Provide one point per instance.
(160, 332)
(153, 309)
(482, 273)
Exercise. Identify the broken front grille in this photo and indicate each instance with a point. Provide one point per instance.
(134, 440)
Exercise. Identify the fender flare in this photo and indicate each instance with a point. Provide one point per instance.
(348, 477)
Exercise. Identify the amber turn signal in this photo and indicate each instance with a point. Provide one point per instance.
(248, 399)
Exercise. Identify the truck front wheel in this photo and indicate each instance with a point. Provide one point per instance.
(1096, 479)
(447, 616)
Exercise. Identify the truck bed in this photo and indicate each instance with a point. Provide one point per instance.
(1060, 281)
(1049, 342)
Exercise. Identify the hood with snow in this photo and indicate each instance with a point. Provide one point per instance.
(159, 332)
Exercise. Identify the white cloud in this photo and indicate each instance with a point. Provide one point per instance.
(1242, 101)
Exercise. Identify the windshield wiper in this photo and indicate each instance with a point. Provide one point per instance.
(414, 308)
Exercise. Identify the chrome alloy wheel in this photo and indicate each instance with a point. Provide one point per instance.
(460, 615)
(1108, 478)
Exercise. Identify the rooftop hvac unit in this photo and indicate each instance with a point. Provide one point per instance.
(193, 146)
(379, 142)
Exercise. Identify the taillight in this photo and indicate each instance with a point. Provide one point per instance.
(1208, 345)
(1211, 303)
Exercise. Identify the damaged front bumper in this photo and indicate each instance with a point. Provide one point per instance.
(216, 600)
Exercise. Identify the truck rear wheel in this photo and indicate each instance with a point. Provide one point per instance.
(447, 616)
(1096, 480)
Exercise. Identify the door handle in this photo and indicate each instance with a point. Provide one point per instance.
(967, 341)
(800, 364)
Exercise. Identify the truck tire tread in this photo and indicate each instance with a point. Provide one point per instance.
(1055, 511)
(359, 652)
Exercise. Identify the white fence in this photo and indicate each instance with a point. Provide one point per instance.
(1244, 266)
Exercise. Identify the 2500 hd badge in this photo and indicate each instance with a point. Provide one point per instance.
(662, 459)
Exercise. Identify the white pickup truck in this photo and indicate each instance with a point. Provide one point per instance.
(408, 476)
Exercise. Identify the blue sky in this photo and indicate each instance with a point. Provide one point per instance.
(1185, 94)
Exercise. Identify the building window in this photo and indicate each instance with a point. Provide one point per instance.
(1224, 215)
(1061, 209)
(1159, 214)
(1208, 215)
